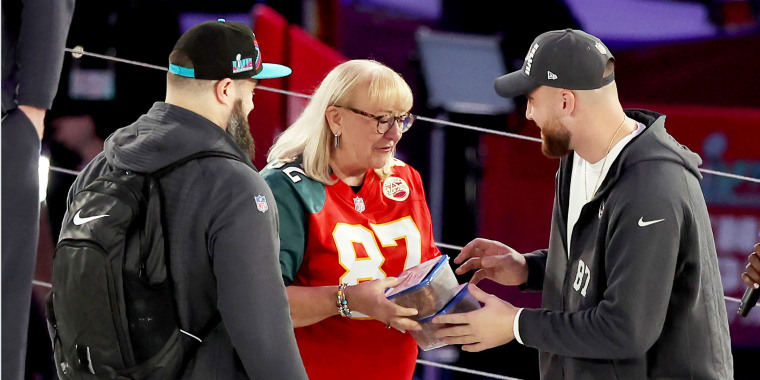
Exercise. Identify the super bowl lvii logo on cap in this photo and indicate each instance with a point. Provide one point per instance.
(258, 54)
(239, 65)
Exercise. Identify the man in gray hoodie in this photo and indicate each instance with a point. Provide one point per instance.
(630, 281)
(220, 216)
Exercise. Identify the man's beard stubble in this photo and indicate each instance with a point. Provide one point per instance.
(556, 139)
(239, 129)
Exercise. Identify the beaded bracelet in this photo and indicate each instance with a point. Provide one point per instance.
(342, 302)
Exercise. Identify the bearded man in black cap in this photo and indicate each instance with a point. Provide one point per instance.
(630, 281)
(221, 219)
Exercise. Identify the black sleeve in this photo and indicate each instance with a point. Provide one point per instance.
(536, 268)
(251, 295)
(42, 38)
(640, 269)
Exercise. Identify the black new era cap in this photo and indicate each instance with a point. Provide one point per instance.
(220, 49)
(571, 59)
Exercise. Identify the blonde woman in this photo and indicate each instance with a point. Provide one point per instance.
(351, 216)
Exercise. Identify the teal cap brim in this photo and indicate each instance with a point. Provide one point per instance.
(273, 70)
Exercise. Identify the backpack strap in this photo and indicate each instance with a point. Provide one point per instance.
(160, 172)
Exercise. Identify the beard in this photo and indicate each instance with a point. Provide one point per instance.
(555, 139)
(240, 130)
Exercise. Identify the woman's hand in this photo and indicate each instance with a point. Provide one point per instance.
(369, 298)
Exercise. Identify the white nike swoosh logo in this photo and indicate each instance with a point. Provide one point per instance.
(642, 223)
(78, 221)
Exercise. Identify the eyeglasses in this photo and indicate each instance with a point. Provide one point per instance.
(384, 122)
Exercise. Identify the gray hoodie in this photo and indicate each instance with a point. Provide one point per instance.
(223, 243)
(640, 296)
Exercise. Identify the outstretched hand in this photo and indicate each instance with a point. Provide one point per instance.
(369, 298)
(481, 329)
(493, 260)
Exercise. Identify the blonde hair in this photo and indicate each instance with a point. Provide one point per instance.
(310, 135)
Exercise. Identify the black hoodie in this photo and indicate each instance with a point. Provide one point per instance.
(640, 296)
(223, 248)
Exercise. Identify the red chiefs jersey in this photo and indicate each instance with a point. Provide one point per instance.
(332, 235)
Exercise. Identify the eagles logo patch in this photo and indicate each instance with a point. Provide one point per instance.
(396, 189)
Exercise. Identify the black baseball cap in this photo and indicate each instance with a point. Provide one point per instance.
(571, 59)
(220, 49)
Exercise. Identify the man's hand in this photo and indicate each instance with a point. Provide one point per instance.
(492, 260)
(36, 116)
(481, 329)
(751, 276)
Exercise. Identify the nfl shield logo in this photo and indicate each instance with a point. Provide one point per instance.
(359, 204)
(261, 203)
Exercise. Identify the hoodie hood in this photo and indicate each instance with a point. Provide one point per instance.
(654, 143)
(166, 134)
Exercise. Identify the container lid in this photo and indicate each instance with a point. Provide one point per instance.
(418, 276)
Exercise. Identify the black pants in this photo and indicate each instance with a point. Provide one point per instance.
(20, 232)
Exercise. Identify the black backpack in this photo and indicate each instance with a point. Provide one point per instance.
(111, 311)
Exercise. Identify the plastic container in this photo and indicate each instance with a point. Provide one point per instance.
(426, 287)
(462, 302)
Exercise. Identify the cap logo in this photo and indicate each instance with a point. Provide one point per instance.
(529, 58)
(551, 75)
(239, 65)
(258, 54)
(601, 48)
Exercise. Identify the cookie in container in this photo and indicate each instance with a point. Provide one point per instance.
(426, 287)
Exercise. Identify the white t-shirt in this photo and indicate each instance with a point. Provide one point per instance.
(593, 175)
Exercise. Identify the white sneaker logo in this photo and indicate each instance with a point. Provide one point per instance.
(642, 223)
(78, 221)
(551, 75)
